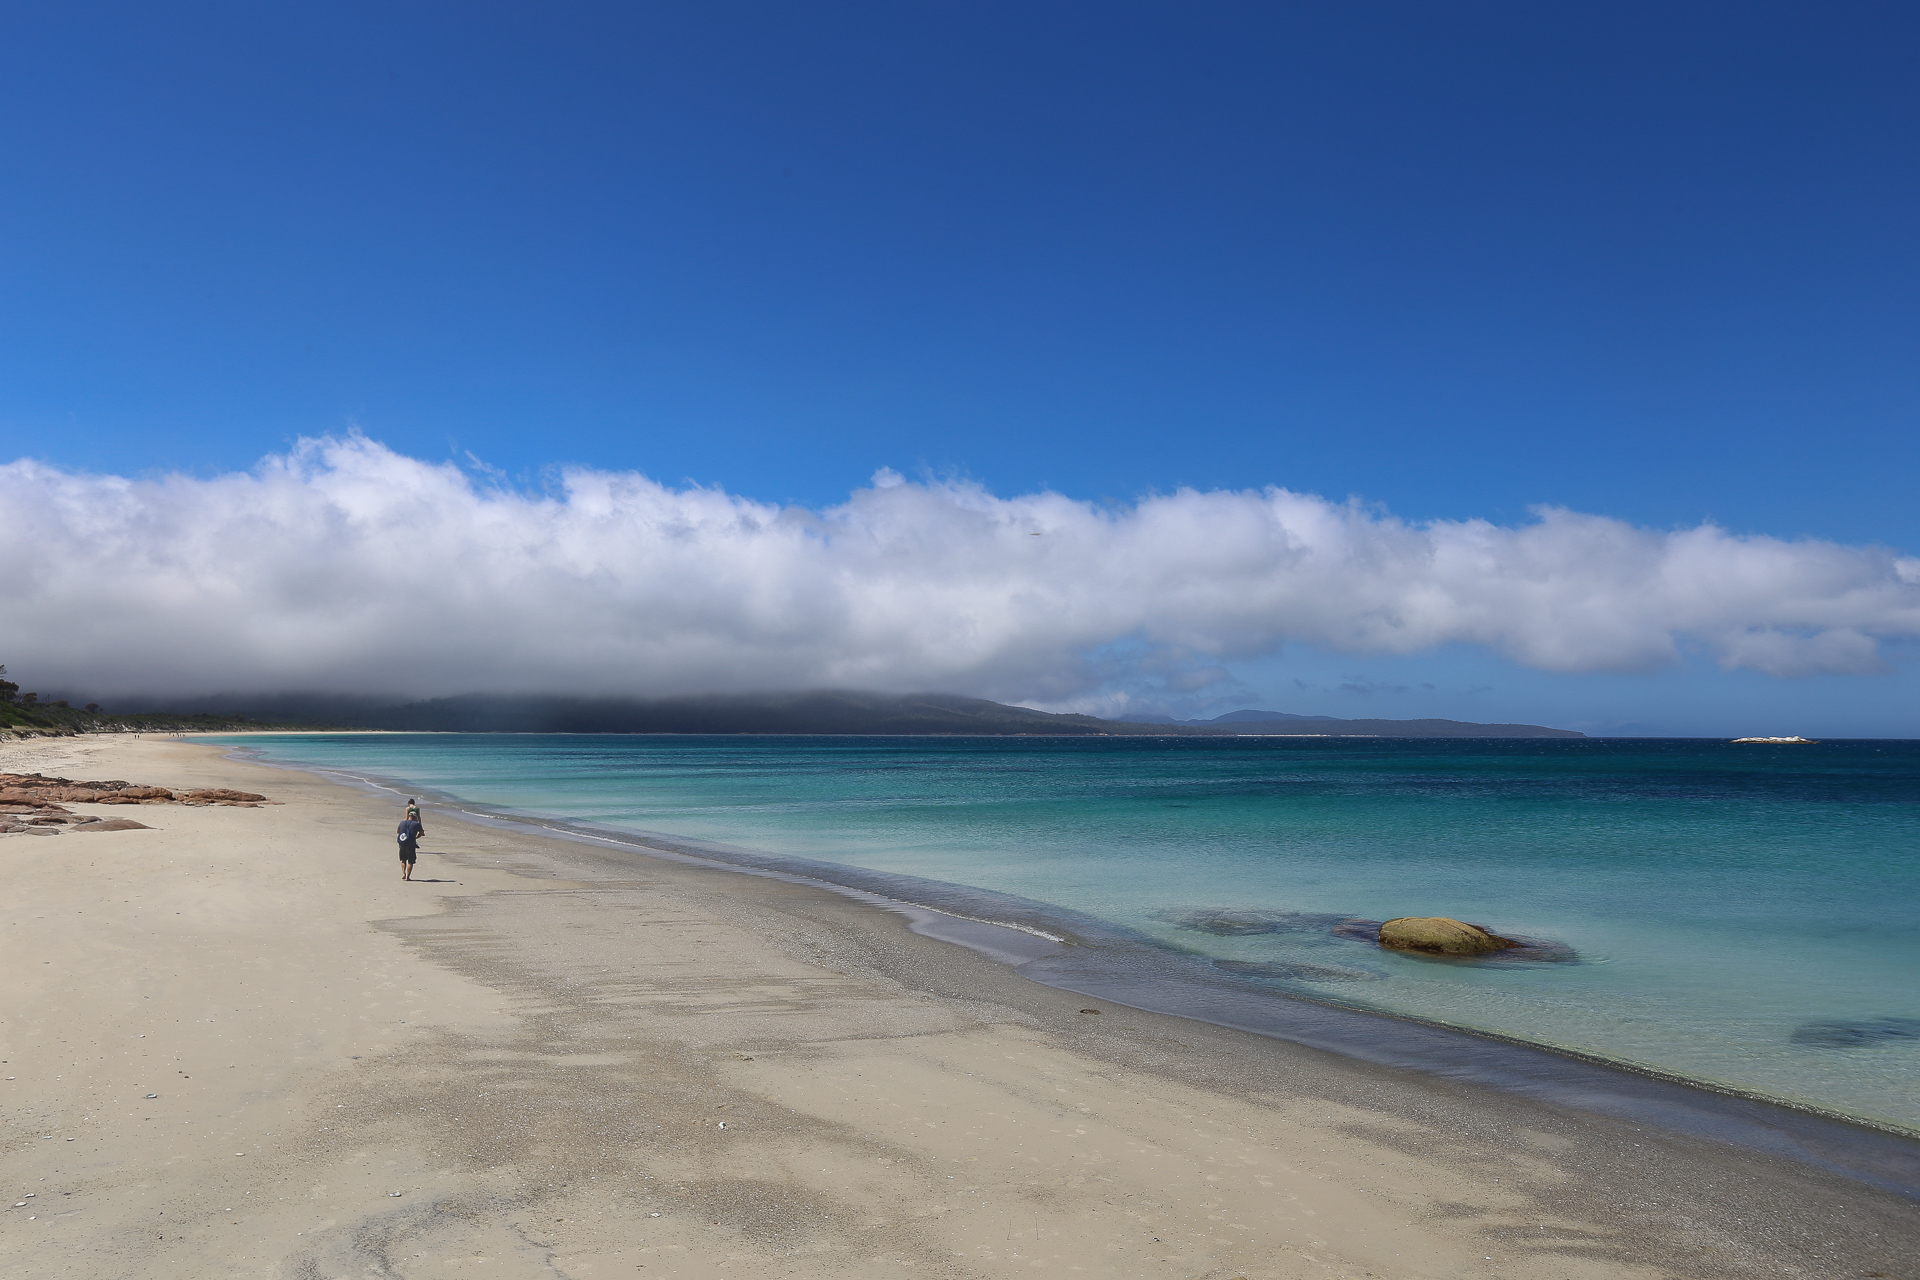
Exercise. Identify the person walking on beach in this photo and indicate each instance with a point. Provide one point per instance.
(408, 834)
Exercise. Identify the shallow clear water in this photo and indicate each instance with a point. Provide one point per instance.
(1741, 914)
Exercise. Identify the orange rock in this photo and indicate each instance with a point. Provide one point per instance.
(1439, 935)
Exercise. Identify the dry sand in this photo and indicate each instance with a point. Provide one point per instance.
(238, 1045)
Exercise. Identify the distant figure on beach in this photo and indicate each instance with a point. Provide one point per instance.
(408, 834)
(413, 811)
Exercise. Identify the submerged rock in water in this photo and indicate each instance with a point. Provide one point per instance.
(1844, 1034)
(1292, 971)
(1357, 929)
(1440, 935)
(1229, 922)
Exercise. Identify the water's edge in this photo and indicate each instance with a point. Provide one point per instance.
(1071, 951)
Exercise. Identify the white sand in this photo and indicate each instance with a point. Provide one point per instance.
(574, 1063)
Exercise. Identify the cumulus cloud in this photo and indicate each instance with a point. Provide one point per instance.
(345, 566)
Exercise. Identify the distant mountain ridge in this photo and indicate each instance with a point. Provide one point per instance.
(1328, 726)
(811, 712)
(1232, 717)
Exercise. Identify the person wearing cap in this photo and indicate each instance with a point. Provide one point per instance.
(408, 834)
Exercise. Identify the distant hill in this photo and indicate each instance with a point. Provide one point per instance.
(818, 711)
(813, 712)
(58, 720)
(1314, 726)
(1232, 717)
(1285, 722)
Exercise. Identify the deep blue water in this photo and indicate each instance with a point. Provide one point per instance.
(1741, 914)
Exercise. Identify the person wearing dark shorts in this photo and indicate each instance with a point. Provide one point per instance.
(408, 835)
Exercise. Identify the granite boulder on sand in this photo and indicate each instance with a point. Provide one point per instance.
(33, 802)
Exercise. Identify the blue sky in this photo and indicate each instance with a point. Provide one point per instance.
(1653, 263)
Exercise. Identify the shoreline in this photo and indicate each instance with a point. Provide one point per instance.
(1094, 963)
(549, 1058)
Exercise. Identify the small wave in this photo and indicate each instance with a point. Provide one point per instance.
(998, 924)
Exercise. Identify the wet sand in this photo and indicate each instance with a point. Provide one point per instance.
(569, 1061)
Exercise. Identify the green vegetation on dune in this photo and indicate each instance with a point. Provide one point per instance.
(24, 715)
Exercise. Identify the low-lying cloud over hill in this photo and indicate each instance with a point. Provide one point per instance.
(344, 565)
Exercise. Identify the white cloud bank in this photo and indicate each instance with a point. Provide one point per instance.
(344, 566)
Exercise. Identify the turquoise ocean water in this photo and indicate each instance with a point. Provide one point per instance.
(1741, 915)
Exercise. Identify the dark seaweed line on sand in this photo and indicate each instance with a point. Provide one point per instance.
(1046, 943)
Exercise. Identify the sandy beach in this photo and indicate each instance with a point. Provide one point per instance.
(237, 1045)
